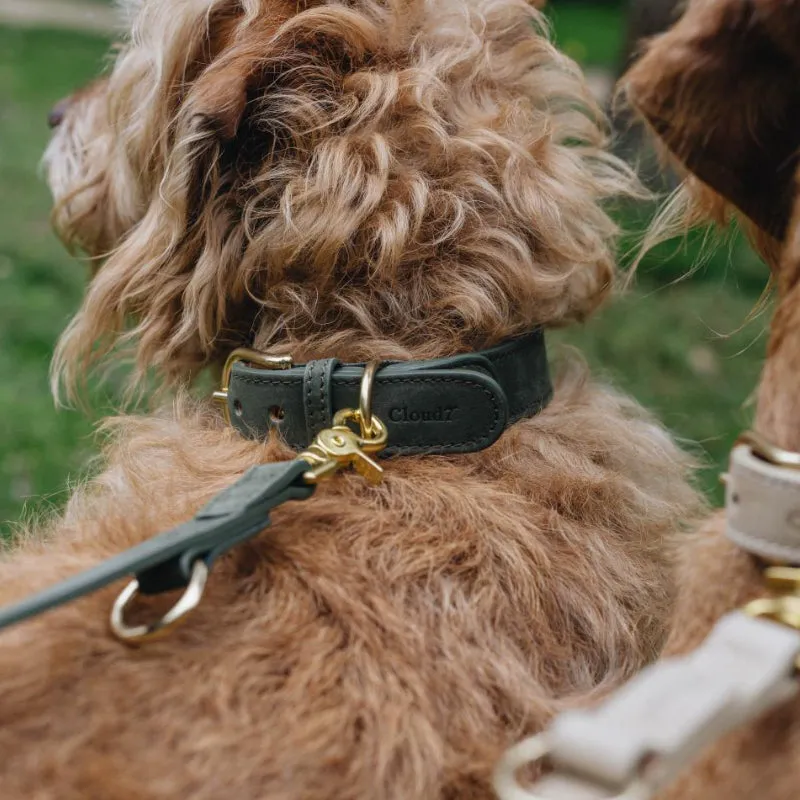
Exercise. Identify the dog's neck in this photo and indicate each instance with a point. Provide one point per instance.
(778, 411)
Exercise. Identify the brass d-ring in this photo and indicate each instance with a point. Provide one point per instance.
(137, 634)
(365, 400)
(531, 751)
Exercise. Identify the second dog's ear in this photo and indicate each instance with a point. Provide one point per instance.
(722, 89)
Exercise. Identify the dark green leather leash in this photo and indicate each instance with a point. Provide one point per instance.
(169, 561)
(451, 405)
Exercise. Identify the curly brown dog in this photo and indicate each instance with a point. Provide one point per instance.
(722, 90)
(392, 180)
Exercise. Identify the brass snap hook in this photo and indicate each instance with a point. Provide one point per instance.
(138, 634)
(340, 446)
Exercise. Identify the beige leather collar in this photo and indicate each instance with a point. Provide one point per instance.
(763, 506)
(639, 739)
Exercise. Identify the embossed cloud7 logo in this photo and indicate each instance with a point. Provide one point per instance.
(440, 414)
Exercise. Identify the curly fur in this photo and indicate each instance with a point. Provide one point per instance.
(385, 179)
(413, 178)
(374, 642)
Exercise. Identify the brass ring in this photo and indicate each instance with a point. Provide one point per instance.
(188, 602)
(532, 750)
(365, 399)
(769, 452)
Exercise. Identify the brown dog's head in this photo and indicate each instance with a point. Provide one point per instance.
(722, 91)
(361, 178)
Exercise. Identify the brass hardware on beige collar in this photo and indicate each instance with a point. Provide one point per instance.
(251, 357)
(784, 581)
(784, 607)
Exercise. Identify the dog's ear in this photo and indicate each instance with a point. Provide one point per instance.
(722, 90)
(217, 101)
(217, 98)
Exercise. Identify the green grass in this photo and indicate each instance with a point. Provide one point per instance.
(590, 32)
(40, 285)
(684, 349)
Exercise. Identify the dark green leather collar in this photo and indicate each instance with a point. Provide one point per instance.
(450, 405)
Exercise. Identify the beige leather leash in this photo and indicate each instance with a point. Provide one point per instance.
(651, 729)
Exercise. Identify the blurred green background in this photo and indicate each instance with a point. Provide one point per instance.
(689, 348)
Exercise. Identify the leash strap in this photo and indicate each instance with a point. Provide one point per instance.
(653, 727)
(166, 562)
(460, 404)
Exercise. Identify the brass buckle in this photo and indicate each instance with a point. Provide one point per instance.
(250, 356)
(785, 607)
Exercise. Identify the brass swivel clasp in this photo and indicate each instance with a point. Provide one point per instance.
(784, 606)
(340, 446)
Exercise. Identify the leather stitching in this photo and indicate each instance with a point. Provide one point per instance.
(309, 408)
(516, 416)
(529, 413)
(314, 411)
(323, 392)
